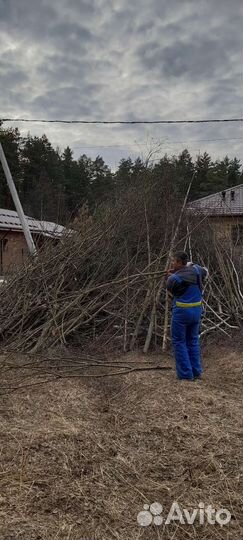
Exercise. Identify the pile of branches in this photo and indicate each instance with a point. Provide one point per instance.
(105, 280)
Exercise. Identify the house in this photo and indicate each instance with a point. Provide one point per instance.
(225, 213)
(13, 247)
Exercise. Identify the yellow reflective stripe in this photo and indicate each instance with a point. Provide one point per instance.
(195, 304)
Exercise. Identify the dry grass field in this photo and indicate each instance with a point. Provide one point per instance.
(80, 456)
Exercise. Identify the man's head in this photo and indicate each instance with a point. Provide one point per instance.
(180, 259)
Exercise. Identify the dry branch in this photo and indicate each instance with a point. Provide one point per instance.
(105, 283)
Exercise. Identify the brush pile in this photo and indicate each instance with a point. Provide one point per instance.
(104, 281)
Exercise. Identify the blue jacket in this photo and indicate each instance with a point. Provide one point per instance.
(186, 285)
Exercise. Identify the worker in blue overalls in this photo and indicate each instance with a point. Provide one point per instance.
(185, 283)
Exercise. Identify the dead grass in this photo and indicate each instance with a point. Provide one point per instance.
(80, 457)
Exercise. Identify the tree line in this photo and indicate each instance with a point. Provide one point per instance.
(54, 186)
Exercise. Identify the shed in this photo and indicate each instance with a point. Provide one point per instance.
(225, 213)
(13, 247)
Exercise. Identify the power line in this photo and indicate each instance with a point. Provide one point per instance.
(166, 143)
(207, 140)
(127, 122)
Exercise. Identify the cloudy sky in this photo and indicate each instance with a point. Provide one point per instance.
(126, 60)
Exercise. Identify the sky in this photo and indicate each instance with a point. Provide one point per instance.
(125, 60)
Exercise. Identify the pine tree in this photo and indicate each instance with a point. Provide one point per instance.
(184, 170)
(204, 181)
(10, 140)
(124, 174)
(43, 181)
(102, 184)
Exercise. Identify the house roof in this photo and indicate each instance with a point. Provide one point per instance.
(227, 202)
(9, 221)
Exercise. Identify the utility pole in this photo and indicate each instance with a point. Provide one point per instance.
(17, 203)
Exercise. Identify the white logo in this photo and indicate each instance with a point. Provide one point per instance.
(151, 515)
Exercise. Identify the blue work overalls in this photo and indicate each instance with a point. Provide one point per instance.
(186, 316)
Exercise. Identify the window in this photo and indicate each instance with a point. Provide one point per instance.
(232, 195)
(237, 235)
(223, 196)
(3, 246)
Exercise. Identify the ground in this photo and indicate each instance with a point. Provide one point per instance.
(81, 456)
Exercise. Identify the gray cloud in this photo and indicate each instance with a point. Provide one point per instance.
(10, 78)
(30, 17)
(117, 59)
(193, 61)
(69, 99)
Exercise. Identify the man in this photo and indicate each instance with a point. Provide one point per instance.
(185, 283)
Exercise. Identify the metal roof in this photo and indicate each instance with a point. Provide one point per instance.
(9, 220)
(227, 202)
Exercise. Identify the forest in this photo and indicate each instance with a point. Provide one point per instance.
(54, 186)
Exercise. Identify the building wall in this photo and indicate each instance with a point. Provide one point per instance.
(13, 250)
(224, 226)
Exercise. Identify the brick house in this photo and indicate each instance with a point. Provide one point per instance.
(225, 213)
(13, 247)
